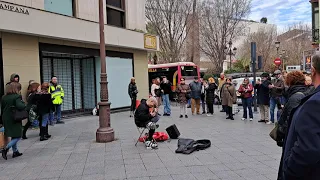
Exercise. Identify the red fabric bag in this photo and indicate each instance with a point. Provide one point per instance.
(158, 136)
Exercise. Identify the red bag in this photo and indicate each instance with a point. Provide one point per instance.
(158, 136)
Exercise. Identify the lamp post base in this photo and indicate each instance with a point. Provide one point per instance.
(104, 135)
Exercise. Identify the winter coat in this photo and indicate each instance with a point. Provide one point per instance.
(166, 87)
(132, 90)
(263, 95)
(142, 115)
(195, 90)
(182, 95)
(246, 90)
(301, 159)
(30, 101)
(43, 102)
(12, 129)
(229, 96)
(278, 89)
(210, 90)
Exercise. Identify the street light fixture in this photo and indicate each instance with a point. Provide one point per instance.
(104, 133)
(230, 52)
(277, 43)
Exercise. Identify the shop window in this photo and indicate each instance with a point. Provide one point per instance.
(116, 13)
(65, 7)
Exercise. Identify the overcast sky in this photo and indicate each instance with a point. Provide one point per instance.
(281, 12)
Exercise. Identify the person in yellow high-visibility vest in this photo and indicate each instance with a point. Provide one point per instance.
(57, 95)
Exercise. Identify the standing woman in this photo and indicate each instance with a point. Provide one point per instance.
(133, 91)
(45, 106)
(229, 97)
(12, 98)
(183, 91)
(210, 94)
(245, 90)
(32, 89)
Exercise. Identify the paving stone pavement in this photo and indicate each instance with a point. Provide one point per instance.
(240, 150)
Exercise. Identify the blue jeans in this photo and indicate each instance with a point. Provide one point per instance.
(13, 144)
(166, 104)
(57, 112)
(45, 119)
(273, 105)
(35, 123)
(247, 104)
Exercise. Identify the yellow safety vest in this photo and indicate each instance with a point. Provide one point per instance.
(57, 94)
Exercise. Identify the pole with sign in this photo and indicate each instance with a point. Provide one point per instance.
(277, 62)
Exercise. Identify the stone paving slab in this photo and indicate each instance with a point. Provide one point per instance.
(240, 150)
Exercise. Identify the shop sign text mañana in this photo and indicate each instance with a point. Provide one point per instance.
(12, 8)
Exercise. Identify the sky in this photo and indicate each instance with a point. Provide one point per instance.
(282, 13)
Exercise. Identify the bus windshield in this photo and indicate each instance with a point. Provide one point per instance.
(189, 71)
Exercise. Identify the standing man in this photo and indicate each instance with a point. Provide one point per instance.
(166, 88)
(263, 98)
(57, 96)
(301, 158)
(221, 82)
(276, 93)
(195, 87)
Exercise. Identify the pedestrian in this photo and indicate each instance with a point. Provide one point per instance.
(203, 96)
(263, 97)
(229, 97)
(245, 91)
(14, 78)
(195, 87)
(44, 106)
(166, 89)
(183, 91)
(13, 129)
(132, 91)
(276, 92)
(301, 159)
(221, 82)
(210, 95)
(32, 89)
(57, 96)
(296, 92)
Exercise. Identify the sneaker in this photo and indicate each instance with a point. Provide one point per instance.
(209, 115)
(186, 116)
(60, 122)
(151, 145)
(181, 116)
(269, 122)
(243, 119)
(251, 119)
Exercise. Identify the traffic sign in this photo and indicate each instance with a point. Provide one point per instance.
(277, 61)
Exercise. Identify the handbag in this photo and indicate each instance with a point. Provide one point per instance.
(273, 133)
(19, 115)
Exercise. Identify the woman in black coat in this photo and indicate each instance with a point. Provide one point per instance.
(210, 95)
(133, 91)
(296, 92)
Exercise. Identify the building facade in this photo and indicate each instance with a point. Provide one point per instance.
(44, 38)
(315, 20)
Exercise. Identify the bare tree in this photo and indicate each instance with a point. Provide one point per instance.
(265, 39)
(294, 41)
(219, 23)
(169, 19)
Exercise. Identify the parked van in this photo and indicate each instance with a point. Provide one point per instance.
(293, 68)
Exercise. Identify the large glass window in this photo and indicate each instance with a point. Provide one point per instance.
(116, 13)
(64, 7)
(189, 71)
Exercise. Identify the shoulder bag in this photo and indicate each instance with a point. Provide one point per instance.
(19, 115)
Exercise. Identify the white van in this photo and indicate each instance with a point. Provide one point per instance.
(293, 68)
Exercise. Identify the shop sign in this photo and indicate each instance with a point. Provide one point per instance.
(150, 42)
(13, 8)
(153, 70)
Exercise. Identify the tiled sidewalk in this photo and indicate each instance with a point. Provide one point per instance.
(240, 150)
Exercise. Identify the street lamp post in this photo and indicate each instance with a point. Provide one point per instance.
(283, 57)
(104, 133)
(230, 52)
(277, 43)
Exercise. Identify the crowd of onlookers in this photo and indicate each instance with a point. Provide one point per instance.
(296, 96)
(43, 105)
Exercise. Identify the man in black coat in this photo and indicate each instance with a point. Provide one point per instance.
(301, 158)
(263, 97)
(146, 116)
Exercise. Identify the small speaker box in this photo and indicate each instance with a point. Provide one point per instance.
(173, 132)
